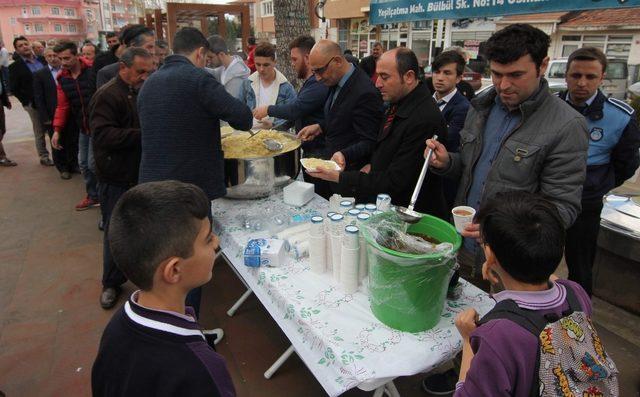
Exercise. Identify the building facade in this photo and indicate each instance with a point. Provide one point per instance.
(263, 19)
(114, 14)
(74, 20)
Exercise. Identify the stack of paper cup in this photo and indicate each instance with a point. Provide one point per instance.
(334, 202)
(345, 206)
(337, 222)
(360, 207)
(352, 216)
(317, 245)
(383, 202)
(327, 236)
(317, 226)
(370, 207)
(363, 265)
(349, 259)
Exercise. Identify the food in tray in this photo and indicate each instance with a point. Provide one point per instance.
(312, 164)
(241, 145)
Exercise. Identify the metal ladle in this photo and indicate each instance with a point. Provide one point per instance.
(408, 215)
(272, 145)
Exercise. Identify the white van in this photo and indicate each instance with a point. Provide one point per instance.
(614, 84)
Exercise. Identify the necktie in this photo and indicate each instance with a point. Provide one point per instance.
(391, 114)
(441, 103)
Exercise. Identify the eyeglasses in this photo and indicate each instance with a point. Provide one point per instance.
(324, 68)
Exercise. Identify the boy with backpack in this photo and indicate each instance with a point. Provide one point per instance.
(160, 237)
(539, 339)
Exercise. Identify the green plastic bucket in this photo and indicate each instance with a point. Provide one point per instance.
(407, 291)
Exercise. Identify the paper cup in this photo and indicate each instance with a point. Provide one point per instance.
(462, 216)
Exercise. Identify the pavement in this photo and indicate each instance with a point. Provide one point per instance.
(51, 322)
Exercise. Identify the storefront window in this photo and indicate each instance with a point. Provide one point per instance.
(361, 37)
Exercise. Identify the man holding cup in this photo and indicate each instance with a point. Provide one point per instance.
(517, 136)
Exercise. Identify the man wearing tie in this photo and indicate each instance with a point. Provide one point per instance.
(353, 110)
(397, 159)
(448, 68)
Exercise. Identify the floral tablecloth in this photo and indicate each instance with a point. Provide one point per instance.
(334, 333)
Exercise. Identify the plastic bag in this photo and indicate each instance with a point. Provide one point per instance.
(407, 289)
(390, 232)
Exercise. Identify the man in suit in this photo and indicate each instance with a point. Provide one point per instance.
(45, 99)
(353, 109)
(397, 159)
(21, 71)
(463, 87)
(448, 68)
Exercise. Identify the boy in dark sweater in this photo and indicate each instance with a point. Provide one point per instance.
(523, 242)
(161, 239)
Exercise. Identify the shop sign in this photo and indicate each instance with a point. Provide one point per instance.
(394, 11)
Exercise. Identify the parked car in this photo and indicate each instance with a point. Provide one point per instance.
(614, 84)
(473, 78)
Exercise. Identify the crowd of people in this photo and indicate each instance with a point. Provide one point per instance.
(142, 126)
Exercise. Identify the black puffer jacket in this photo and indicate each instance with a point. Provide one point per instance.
(78, 93)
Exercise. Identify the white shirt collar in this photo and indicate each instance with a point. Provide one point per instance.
(447, 98)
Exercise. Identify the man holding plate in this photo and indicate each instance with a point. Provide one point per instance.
(397, 156)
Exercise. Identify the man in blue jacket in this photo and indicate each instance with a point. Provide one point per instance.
(613, 156)
(180, 107)
(307, 108)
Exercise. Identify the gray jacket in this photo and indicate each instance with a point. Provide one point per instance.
(106, 74)
(238, 72)
(546, 153)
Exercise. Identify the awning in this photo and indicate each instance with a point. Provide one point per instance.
(394, 11)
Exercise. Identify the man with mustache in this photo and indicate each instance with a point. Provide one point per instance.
(517, 136)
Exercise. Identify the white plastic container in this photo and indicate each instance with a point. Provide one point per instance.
(383, 202)
(298, 193)
(264, 252)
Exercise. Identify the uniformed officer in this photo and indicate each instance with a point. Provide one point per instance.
(613, 156)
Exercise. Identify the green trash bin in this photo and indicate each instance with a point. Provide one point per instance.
(407, 291)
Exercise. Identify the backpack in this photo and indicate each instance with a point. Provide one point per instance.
(571, 360)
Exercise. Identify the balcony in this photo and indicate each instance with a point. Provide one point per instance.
(49, 18)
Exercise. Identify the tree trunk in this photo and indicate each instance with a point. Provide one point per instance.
(291, 19)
